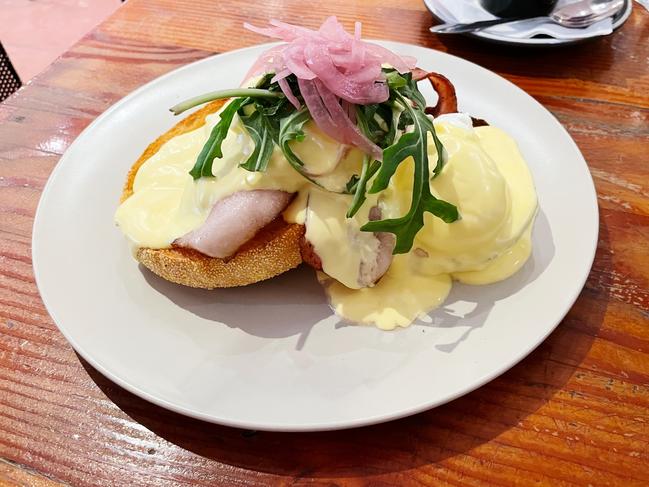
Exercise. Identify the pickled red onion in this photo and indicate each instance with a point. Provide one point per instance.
(332, 67)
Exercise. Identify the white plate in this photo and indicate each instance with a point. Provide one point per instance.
(272, 356)
(618, 21)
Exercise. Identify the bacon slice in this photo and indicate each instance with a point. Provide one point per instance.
(447, 102)
(234, 220)
(479, 122)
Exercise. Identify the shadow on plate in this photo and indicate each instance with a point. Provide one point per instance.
(457, 428)
(466, 308)
(460, 427)
(481, 299)
(262, 302)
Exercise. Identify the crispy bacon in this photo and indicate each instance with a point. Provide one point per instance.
(447, 102)
(478, 122)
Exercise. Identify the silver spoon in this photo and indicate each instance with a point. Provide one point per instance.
(574, 15)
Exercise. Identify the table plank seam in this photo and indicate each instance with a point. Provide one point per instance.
(34, 471)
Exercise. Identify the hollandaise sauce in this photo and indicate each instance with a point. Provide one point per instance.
(485, 176)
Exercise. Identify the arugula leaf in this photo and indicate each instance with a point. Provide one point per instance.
(290, 129)
(360, 187)
(395, 117)
(376, 121)
(260, 130)
(413, 144)
(219, 95)
(212, 148)
(404, 120)
(350, 187)
(262, 124)
(271, 109)
(441, 154)
(364, 113)
(271, 120)
(357, 185)
(411, 92)
(394, 79)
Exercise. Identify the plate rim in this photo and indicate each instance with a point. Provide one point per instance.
(300, 427)
(538, 42)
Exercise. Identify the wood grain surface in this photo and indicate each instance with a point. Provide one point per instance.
(575, 412)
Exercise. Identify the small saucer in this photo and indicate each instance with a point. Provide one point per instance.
(440, 14)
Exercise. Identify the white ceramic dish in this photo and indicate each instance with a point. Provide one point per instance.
(540, 41)
(272, 356)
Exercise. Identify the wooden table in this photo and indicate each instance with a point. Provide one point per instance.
(575, 412)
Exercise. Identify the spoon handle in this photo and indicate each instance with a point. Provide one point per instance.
(471, 26)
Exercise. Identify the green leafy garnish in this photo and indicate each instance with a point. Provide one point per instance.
(394, 78)
(413, 144)
(292, 128)
(212, 149)
(351, 185)
(377, 123)
(411, 92)
(262, 124)
(221, 94)
(260, 130)
(359, 187)
(271, 121)
(373, 126)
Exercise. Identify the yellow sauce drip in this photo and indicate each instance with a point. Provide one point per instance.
(503, 266)
(399, 298)
(485, 176)
(339, 242)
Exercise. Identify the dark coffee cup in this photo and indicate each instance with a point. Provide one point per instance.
(518, 8)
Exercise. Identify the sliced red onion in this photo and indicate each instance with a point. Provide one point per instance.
(264, 61)
(333, 30)
(293, 30)
(294, 61)
(281, 75)
(348, 132)
(352, 54)
(319, 61)
(332, 67)
(286, 89)
(317, 109)
(418, 74)
(403, 64)
(265, 31)
(350, 110)
(357, 48)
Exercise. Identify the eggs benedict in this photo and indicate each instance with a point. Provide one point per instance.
(328, 155)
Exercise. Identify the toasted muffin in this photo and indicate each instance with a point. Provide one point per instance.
(272, 251)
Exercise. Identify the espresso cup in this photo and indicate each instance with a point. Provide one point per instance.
(518, 8)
